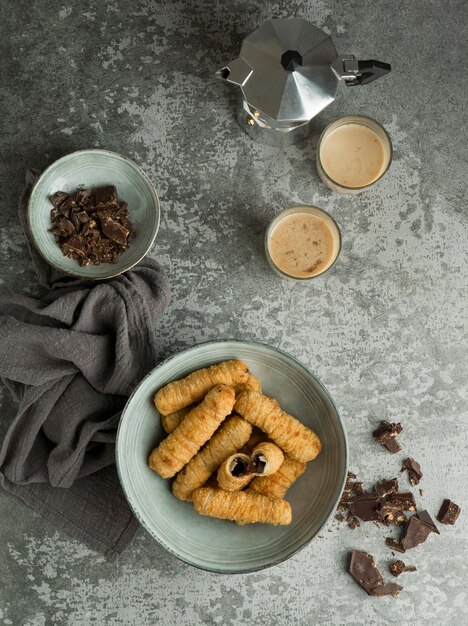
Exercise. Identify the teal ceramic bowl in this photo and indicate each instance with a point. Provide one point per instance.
(95, 168)
(219, 545)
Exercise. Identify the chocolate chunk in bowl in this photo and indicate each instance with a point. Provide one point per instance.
(127, 192)
(90, 225)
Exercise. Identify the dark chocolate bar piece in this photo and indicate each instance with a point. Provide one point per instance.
(427, 519)
(398, 567)
(416, 532)
(363, 569)
(414, 470)
(449, 512)
(386, 434)
(91, 225)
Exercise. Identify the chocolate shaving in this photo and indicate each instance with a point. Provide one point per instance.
(386, 434)
(414, 470)
(449, 512)
(363, 569)
(398, 567)
(91, 225)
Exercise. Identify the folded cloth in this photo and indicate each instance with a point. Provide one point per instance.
(71, 358)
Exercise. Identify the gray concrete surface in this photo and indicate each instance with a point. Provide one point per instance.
(383, 330)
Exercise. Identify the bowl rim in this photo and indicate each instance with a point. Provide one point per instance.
(111, 153)
(134, 508)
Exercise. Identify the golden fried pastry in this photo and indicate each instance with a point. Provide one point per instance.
(172, 420)
(234, 474)
(256, 437)
(194, 430)
(266, 459)
(251, 384)
(240, 506)
(294, 438)
(229, 437)
(277, 484)
(180, 393)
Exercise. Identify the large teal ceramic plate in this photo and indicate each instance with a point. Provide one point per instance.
(218, 545)
(95, 168)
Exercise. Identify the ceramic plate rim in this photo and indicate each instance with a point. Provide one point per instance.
(132, 505)
(112, 154)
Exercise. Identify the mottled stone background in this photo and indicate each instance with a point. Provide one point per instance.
(384, 329)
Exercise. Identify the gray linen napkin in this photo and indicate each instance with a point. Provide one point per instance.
(71, 358)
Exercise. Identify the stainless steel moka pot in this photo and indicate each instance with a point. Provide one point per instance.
(288, 70)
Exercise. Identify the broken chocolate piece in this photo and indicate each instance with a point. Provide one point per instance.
(103, 195)
(91, 226)
(358, 489)
(386, 433)
(414, 470)
(58, 198)
(114, 231)
(83, 197)
(74, 245)
(385, 488)
(64, 226)
(352, 521)
(363, 569)
(365, 507)
(427, 519)
(449, 512)
(391, 517)
(398, 567)
(400, 502)
(393, 544)
(340, 517)
(83, 217)
(387, 589)
(416, 532)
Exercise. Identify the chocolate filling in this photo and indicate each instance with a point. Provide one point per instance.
(239, 467)
(257, 464)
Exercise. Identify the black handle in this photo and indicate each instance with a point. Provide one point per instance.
(369, 71)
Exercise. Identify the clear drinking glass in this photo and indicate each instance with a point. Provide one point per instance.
(311, 210)
(362, 120)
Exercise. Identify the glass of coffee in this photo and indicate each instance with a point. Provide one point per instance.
(302, 242)
(353, 153)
